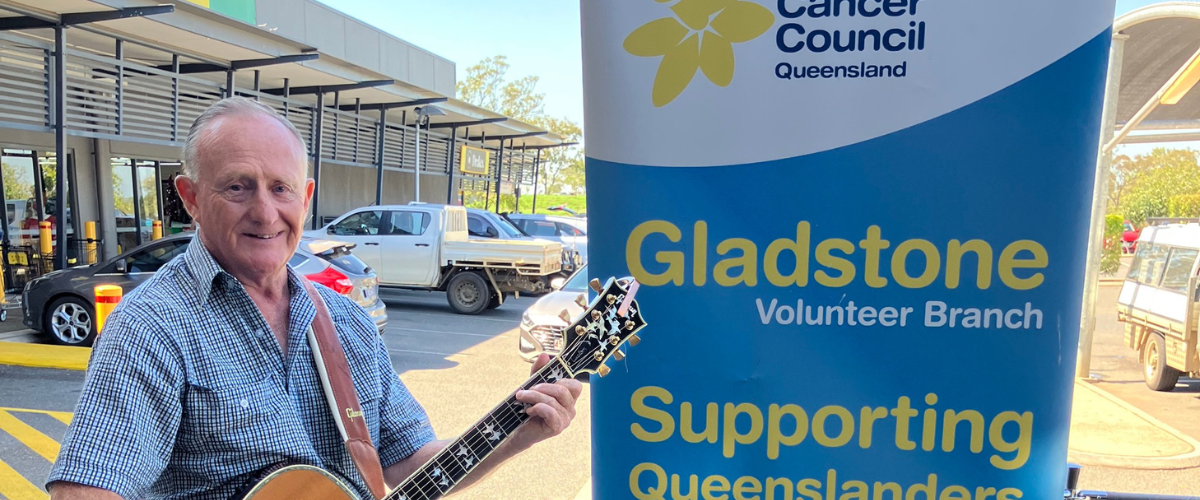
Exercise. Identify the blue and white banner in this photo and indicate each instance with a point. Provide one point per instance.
(860, 226)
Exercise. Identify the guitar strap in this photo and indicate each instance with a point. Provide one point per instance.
(341, 395)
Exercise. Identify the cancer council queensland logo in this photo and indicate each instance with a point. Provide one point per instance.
(700, 36)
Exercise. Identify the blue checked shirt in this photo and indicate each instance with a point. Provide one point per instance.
(187, 394)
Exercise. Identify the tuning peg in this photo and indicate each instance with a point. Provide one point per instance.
(611, 298)
(634, 339)
(629, 324)
(565, 316)
(596, 315)
(618, 355)
(595, 284)
(581, 299)
(580, 330)
(603, 370)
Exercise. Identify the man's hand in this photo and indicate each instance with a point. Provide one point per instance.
(551, 411)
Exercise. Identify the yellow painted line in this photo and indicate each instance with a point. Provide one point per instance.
(14, 486)
(40, 443)
(44, 356)
(62, 416)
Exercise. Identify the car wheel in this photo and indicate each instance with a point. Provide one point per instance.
(1159, 376)
(468, 293)
(70, 321)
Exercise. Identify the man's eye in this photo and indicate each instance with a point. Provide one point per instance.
(236, 188)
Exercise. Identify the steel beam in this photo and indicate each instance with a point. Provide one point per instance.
(110, 15)
(514, 136)
(450, 166)
(537, 161)
(318, 124)
(466, 124)
(60, 145)
(325, 89)
(381, 137)
(394, 105)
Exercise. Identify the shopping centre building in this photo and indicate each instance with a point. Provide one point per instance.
(137, 73)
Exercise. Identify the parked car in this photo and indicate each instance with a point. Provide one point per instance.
(424, 246)
(1129, 236)
(482, 224)
(570, 231)
(1158, 303)
(541, 327)
(61, 304)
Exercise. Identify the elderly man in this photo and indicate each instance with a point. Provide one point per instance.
(203, 376)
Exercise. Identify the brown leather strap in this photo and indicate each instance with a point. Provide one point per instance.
(347, 409)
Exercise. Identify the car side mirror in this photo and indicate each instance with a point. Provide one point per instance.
(558, 283)
(329, 230)
(121, 266)
(491, 232)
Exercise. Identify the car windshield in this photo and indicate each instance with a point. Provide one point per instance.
(579, 282)
(509, 230)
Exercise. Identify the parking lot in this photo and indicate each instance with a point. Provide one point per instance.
(457, 366)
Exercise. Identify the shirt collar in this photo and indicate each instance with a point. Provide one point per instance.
(207, 270)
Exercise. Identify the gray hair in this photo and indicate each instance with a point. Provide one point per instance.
(230, 106)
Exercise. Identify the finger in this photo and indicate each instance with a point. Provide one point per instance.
(561, 394)
(572, 385)
(552, 419)
(541, 361)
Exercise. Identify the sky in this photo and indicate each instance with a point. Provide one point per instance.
(540, 37)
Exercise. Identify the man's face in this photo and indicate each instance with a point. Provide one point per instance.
(252, 194)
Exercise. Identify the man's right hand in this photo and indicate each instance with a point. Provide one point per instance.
(72, 491)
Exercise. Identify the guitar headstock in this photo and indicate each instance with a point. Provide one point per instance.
(608, 322)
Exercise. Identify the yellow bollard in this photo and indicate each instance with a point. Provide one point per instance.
(46, 239)
(156, 230)
(89, 232)
(107, 298)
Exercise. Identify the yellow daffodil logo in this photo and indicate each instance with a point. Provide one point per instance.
(699, 37)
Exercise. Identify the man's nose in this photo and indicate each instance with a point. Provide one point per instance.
(262, 207)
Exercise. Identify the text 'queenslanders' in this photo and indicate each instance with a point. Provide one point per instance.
(797, 37)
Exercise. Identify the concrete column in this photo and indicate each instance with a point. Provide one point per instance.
(107, 220)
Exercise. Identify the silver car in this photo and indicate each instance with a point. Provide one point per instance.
(570, 231)
(541, 328)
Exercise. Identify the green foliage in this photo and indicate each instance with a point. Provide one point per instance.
(1142, 186)
(1110, 259)
(486, 86)
(1184, 205)
(577, 203)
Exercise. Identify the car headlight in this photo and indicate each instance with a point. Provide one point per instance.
(526, 321)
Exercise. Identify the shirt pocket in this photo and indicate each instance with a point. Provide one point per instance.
(228, 418)
(370, 395)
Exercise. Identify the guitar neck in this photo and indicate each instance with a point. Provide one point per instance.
(450, 466)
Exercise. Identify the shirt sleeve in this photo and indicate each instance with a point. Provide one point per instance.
(128, 414)
(403, 425)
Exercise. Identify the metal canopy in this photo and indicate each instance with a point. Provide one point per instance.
(1161, 63)
(74, 18)
(466, 124)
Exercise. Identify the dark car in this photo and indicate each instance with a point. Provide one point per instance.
(62, 303)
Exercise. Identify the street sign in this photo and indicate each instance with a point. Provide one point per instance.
(862, 227)
(474, 160)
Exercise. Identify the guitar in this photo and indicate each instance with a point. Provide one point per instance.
(608, 322)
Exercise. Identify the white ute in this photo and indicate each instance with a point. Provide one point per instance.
(426, 247)
(1159, 300)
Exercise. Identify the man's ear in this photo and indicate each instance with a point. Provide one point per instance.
(188, 190)
(309, 187)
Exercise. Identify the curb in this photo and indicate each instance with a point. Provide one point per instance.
(1176, 462)
(44, 356)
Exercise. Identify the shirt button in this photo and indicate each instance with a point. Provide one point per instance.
(245, 403)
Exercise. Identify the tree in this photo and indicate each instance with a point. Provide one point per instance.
(1144, 184)
(486, 86)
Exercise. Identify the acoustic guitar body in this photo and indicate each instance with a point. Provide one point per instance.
(300, 482)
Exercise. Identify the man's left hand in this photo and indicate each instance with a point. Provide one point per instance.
(552, 407)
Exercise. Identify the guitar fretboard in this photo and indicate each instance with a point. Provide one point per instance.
(448, 468)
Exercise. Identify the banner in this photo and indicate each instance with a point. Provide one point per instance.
(860, 227)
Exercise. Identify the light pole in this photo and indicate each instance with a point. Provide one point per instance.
(423, 114)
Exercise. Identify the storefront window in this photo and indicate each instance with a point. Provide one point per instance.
(125, 208)
(19, 201)
(49, 199)
(148, 198)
